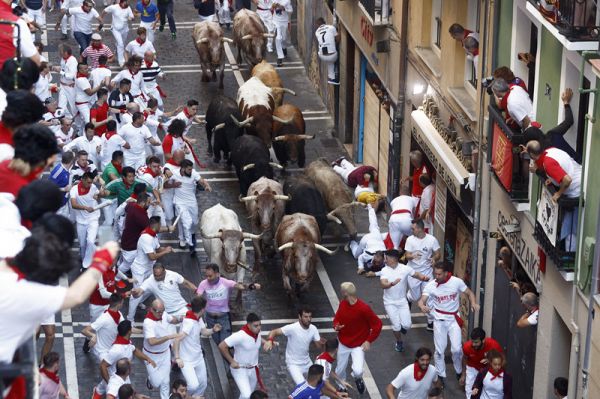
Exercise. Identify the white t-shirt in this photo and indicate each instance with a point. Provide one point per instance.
(445, 296)
(68, 70)
(89, 146)
(116, 353)
(81, 85)
(24, 305)
(404, 202)
(167, 290)
(120, 16)
(97, 75)
(570, 167)
(246, 348)
(396, 295)
(158, 329)
(146, 245)
(326, 367)
(134, 48)
(519, 105)
(282, 16)
(106, 333)
(137, 82)
(298, 342)
(82, 21)
(41, 88)
(136, 137)
(186, 193)
(27, 48)
(81, 216)
(326, 38)
(492, 388)
(188, 121)
(426, 198)
(114, 383)
(533, 318)
(190, 349)
(425, 247)
(109, 146)
(409, 388)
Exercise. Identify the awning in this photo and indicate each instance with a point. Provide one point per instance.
(447, 166)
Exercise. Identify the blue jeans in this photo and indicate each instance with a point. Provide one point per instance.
(83, 40)
(224, 321)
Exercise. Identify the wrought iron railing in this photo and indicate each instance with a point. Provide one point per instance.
(379, 11)
(574, 19)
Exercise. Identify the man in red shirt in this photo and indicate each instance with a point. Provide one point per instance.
(357, 326)
(136, 220)
(419, 168)
(474, 357)
(99, 112)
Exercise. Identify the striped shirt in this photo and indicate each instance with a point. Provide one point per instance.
(92, 54)
(150, 73)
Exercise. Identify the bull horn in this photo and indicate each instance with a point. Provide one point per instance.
(249, 166)
(327, 251)
(284, 121)
(268, 35)
(226, 39)
(284, 89)
(218, 127)
(246, 37)
(243, 123)
(282, 197)
(285, 246)
(333, 218)
(243, 265)
(281, 138)
(252, 236)
(204, 40)
(275, 165)
(356, 203)
(210, 236)
(248, 198)
(305, 136)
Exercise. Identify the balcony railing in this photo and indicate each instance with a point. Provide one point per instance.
(378, 10)
(574, 19)
(23, 367)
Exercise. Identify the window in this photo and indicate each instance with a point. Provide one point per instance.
(473, 11)
(579, 104)
(436, 24)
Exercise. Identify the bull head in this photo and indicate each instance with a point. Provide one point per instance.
(243, 123)
(302, 257)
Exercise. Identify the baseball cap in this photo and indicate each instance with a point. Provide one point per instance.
(96, 36)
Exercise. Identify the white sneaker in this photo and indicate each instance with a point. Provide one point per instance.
(270, 49)
(182, 244)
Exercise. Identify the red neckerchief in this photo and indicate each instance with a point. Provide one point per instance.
(250, 333)
(445, 281)
(475, 52)
(132, 73)
(466, 33)
(116, 316)
(126, 185)
(149, 171)
(186, 113)
(80, 75)
(418, 373)
(118, 167)
(66, 58)
(96, 47)
(148, 64)
(170, 161)
(140, 42)
(19, 273)
(149, 231)
(327, 357)
(53, 376)
(121, 341)
(28, 224)
(191, 315)
(6, 136)
(108, 135)
(102, 66)
(151, 316)
(82, 190)
(496, 375)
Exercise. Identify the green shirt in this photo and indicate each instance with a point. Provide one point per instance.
(118, 188)
(110, 168)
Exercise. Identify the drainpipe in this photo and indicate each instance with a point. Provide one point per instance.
(478, 188)
(586, 55)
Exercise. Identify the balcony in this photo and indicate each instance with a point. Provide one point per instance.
(23, 366)
(378, 11)
(573, 23)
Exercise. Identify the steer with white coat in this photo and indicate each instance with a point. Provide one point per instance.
(208, 39)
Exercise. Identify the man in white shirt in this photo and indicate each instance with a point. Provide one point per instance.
(136, 134)
(89, 143)
(188, 350)
(68, 74)
(171, 168)
(445, 293)
(103, 331)
(84, 199)
(531, 303)
(399, 224)
(281, 19)
(185, 202)
(394, 280)
(263, 9)
(422, 251)
(81, 166)
(82, 23)
(159, 331)
(138, 46)
(151, 71)
(415, 380)
(133, 74)
(515, 101)
(118, 379)
(561, 387)
(368, 251)
(84, 92)
(121, 14)
(164, 284)
(299, 336)
(101, 74)
(148, 252)
(246, 344)
(152, 176)
(327, 39)
(426, 205)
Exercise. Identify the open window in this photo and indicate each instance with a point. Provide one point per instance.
(436, 26)
(471, 77)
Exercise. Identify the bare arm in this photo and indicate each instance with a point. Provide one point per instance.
(472, 300)
(160, 253)
(190, 286)
(142, 356)
(389, 391)
(224, 349)
(104, 370)
(268, 344)
(523, 322)
(421, 303)
(160, 340)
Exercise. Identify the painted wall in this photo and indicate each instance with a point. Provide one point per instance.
(503, 51)
(550, 56)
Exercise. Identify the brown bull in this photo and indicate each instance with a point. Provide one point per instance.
(249, 36)
(339, 200)
(289, 138)
(208, 39)
(298, 238)
(269, 76)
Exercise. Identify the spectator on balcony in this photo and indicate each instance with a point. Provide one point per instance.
(471, 46)
(514, 101)
(530, 317)
(419, 168)
(561, 387)
(565, 175)
(459, 33)
(327, 39)
(507, 74)
(555, 137)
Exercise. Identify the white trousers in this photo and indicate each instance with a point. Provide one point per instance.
(149, 30)
(134, 160)
(195, 376)
(374, 237)
(120, 36)
(281, 37)
(358, 361)
(159, 376)
(298, 372)
(209, 18)
(188, 221)
(471, 374)
(344, 168)
(38, 16)
(109, 213)
(83, 112)
(245, 379)
(442, 329)
(399, 315)
(134, 302)
(415, 290)
(399, 227)
(155, 210)
(267, 18)
(96, 311)
(156, 94)
(224, 13)
(127, 258)
(330, 60)
(167, 199)
(86, 234)
(66, 99)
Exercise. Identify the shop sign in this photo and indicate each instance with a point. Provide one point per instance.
(444, 161)
(366, 30)
(502, 161)
(526, 252)
(547, 215)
